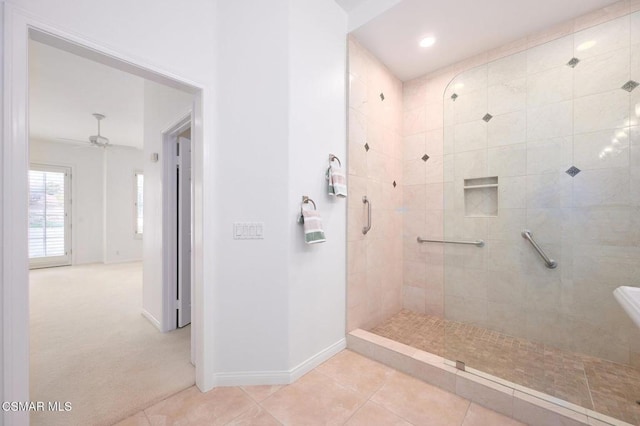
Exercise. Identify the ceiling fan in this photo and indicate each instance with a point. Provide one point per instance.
(99, 140)
(94, 140)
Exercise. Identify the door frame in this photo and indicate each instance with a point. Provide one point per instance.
(169, 239)
(68, 197)
(18, 28)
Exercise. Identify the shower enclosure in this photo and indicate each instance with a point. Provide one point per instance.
(521, 214)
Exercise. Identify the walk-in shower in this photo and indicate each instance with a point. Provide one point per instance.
(507, 213)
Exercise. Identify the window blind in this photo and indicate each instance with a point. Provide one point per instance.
(46, 213)
(139, 202)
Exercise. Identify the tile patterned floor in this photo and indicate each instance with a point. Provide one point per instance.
(593, 383)
(348, 389)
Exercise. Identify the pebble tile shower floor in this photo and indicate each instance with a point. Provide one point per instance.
(603, 386)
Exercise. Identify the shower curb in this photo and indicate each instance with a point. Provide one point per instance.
(518, 402)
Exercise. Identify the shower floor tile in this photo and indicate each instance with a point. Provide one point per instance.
(603, 386)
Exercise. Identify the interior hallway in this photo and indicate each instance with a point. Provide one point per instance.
(348, 389)
(91, 346)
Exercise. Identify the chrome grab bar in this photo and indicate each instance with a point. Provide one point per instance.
(478, 243)
(368, 203)
(549, 263)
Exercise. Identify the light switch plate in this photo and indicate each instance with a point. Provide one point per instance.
(248, 230)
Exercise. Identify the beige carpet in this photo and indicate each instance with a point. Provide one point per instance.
(90, 346)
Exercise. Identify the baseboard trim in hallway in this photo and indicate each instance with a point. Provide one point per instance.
(151, 319)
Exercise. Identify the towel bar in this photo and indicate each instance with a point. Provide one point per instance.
(333, 157)
(307, 200)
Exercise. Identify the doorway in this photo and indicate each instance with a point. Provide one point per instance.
(85, 318)
(19, 29)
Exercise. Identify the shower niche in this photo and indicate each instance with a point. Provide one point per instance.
(481, 197)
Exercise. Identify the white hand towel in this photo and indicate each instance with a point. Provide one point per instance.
(313, 232)
(337, 181)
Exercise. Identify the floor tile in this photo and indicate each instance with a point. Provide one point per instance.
(420, 403)
(260, 393)
(216, 407)
(356, 372)
(255, 416)
(139, 419)
(371, 414)
(480, 416)
(315, 399)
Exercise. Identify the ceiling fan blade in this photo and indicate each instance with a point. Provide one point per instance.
(72, 141)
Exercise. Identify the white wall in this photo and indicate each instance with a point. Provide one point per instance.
(281, 112)
(317, 127)
(251, 293)
(121, 244)
(86, 191)
(163, 108)
(102, 192)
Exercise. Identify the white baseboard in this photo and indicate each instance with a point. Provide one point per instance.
(113, 262)
(283, 377)
(151, 319)
(311, 363)
(250, 378)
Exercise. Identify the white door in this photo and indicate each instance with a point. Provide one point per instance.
(49, 216)
(184, 231)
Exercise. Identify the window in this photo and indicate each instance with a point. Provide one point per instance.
(49, 225)
(139, 203)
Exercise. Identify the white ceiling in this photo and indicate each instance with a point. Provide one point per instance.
(65, 89)
(349, 5)
(463, 28)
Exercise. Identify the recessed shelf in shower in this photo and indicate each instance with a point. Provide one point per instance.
(481, 197)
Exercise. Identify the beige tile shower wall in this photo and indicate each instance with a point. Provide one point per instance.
(423, 164)
(374, 284)
(590, 226)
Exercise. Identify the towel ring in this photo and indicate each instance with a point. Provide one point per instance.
(333, 157)
(307, 200)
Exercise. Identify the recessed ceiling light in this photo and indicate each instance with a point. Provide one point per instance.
(586, 45)
(427, 41)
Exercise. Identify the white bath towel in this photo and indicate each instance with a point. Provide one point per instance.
(337, 181)
(313, 232)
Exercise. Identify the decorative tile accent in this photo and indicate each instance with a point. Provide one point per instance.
(572, 171)
(454, 97)
(366, 147)
(394, 184)
(425, 157)
(487, 117)
(382, 96)
(573, 62)
(630, 85)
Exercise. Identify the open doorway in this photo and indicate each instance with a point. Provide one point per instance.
(99, 195)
